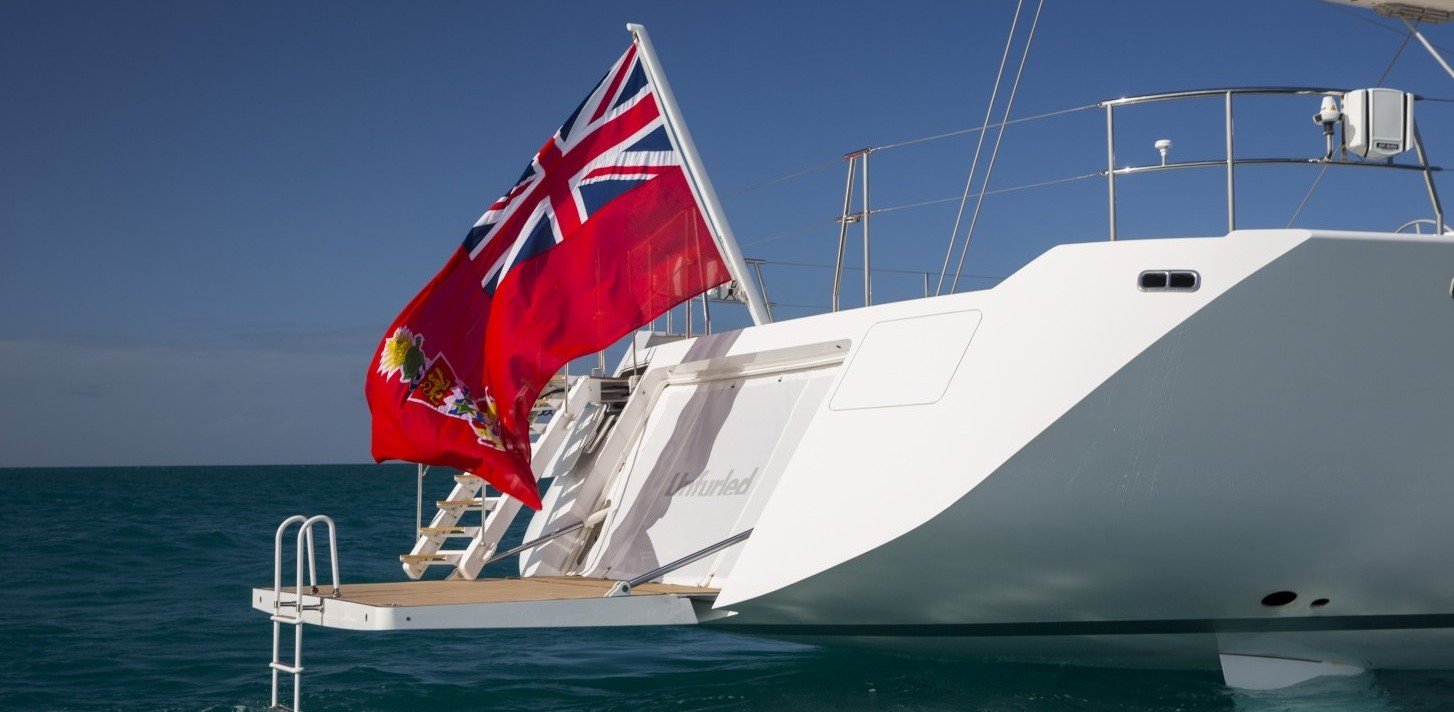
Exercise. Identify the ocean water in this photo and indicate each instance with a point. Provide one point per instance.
(127, 589)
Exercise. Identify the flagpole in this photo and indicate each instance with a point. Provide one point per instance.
(697, 177)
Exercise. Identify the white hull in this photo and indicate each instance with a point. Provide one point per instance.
(1066, 468)
(1118, 477)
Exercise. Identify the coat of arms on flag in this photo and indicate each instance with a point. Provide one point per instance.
(602, 232)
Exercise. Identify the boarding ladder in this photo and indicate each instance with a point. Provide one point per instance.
(471, 495)
(296, 603)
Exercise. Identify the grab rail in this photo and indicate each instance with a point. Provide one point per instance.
(534, 542)
(590, 521)
(623, 588)
(1230, 161)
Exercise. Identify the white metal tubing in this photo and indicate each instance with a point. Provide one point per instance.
(697, 176)
(843, 228)
(278, 597)
(298, 578)
(312, 560)
(867, 273)
(1111, 166)
(278, 558)
(1429, 183)
(1148, 98)
(298, 658)
(1222, 163)
(419, 497)
(1231, 168)
(332, 547)
(757, 270)
(333, 553)
(1430, 48)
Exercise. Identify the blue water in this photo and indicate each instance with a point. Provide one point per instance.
(127, 589)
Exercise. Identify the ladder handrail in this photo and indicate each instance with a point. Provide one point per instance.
(306, 530)
(305, 534)
(278, 559)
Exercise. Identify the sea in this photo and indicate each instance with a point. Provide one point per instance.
(127, 589)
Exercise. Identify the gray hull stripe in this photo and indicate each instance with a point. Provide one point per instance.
(1152, 627)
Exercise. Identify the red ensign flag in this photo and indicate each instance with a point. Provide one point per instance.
(600, 235)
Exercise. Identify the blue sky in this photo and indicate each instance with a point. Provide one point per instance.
(211, 210)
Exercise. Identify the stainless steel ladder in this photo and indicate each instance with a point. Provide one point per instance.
(305, 536)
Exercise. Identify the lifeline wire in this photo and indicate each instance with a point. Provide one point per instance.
(924, 139)
(973, 129)
(922, 203)
(885, 270)
(787, 177)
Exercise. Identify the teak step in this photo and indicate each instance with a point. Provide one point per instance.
(443, 557)
(449, 531)
(488, 502)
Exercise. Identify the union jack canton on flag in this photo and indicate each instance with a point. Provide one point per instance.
(600, 235)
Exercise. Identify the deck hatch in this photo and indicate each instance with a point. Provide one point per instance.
(906, 361)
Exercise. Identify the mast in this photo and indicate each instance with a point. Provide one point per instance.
(697, 178)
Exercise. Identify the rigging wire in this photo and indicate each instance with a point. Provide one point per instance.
(1308, 195)
(1361, 16)
(994, 154)
(1396, 54)
(989, 110)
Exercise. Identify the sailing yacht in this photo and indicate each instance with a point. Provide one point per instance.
(1228, 451)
